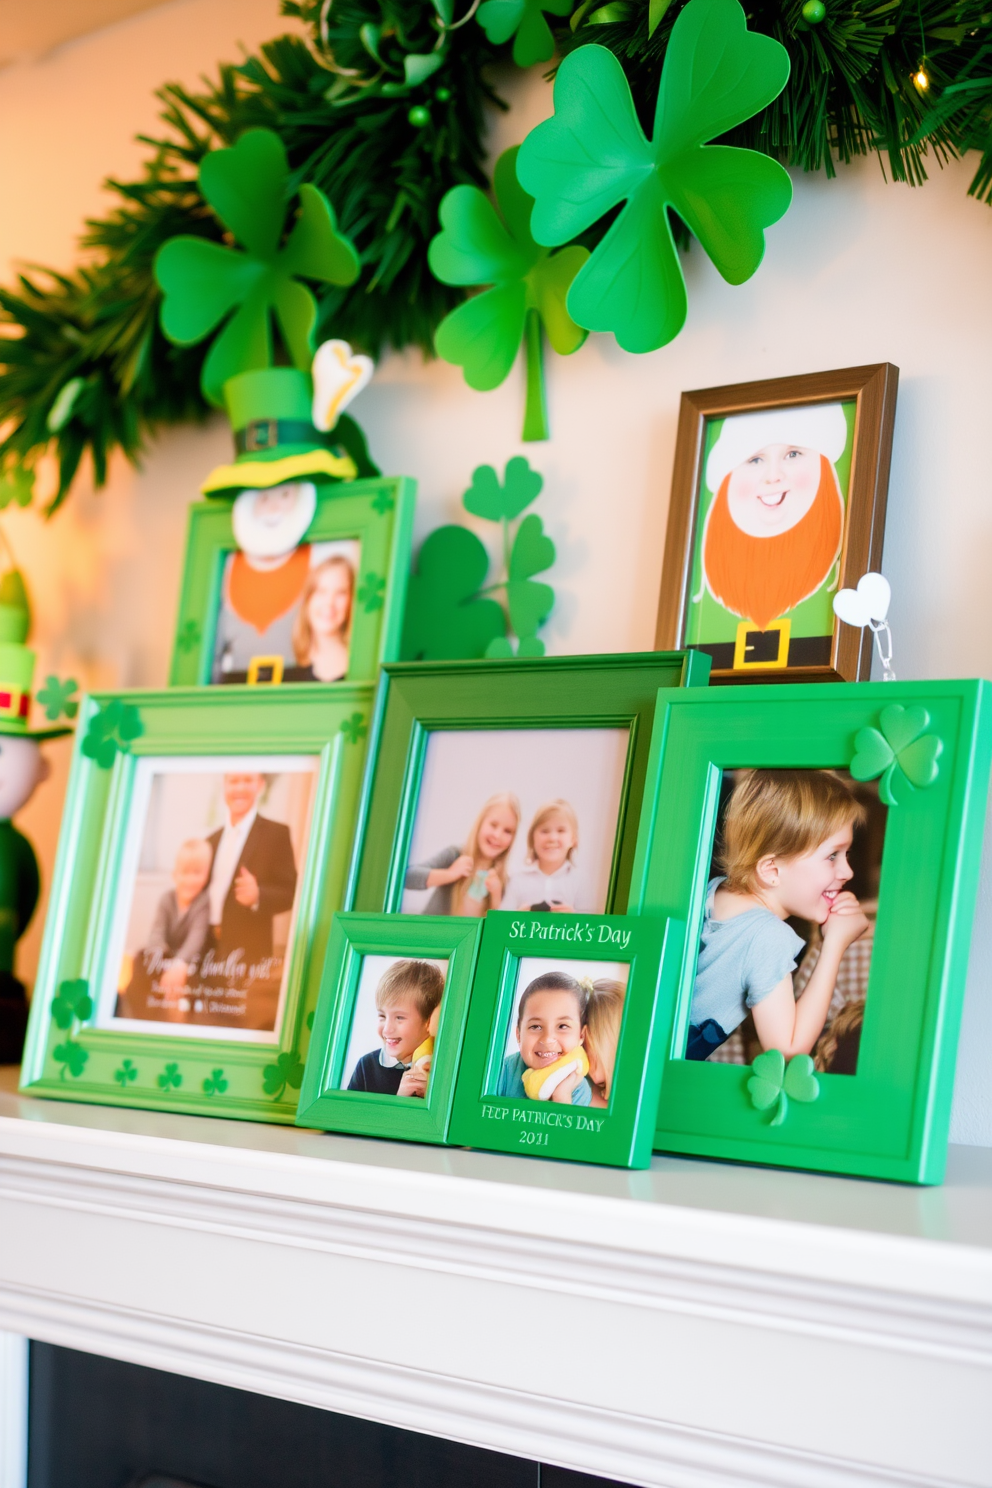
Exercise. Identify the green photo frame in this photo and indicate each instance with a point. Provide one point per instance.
(452, 737)
(234, 803)
(922, 751)
(365, 523)
(602, 986)
(366, 953)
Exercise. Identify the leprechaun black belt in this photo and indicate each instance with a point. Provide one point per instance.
(269, 434)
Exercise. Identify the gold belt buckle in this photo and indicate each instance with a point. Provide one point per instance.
(265, 671)
(742, 646)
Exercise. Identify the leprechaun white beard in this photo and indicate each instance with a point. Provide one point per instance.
(270, 524)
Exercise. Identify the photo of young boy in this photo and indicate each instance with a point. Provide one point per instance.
(516, 819)
(397, 1010)
(785, 944)
(549, 1052)
(177, 939)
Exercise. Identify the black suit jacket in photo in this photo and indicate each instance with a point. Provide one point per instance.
(268, 855)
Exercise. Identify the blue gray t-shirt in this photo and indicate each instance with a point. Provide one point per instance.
(741, 960)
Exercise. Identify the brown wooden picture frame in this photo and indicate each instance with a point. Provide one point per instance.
(873, 389)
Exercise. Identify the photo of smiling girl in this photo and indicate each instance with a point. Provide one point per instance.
(771, 535)
(550, 1062)
(550, 879)
(471, 879)
(786, 837)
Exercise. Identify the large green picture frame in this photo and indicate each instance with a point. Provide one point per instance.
(67, 1056)
(621, 1133)
(323, 1103)
(378, 513)
(890, 1119)
(415, 699)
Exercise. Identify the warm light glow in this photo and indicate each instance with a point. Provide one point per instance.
(921, 80)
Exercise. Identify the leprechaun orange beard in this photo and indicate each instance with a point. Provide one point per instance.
(762, 578)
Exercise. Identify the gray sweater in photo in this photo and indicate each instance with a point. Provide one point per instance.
(416, 878)
(179, 934)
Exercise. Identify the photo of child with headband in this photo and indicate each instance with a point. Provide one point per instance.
(563, 1037)
(784, 849)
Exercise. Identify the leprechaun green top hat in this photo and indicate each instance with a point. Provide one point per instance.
(276, 440)
(17, 663)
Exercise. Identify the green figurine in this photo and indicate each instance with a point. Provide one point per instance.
(22, 770)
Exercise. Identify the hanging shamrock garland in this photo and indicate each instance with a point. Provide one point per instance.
(383, 110)
(477, 246)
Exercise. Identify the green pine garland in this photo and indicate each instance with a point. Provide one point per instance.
(385, 111)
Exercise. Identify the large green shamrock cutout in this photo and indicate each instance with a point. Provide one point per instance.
(445, 620)
(248, 187)
(593, 154)
(533, 41)
(113, 727)
(287, 1070)
(72, 1001)
(773, 1082)
(480, 246)
(900, 751)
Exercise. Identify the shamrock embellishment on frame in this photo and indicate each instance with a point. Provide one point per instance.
(529, 285)
(249, 188)
(774, 1082)
(593, 155)
(900, 751)
(113, 728)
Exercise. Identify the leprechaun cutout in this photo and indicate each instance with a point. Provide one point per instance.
(22, 769)
(285, 603)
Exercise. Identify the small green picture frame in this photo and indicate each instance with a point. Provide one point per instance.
(204, 850)
(390, 982)
(465, 753)
(238, 623)
(567, 1022)
(865, 1087)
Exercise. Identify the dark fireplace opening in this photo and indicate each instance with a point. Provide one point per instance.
(98, 1423)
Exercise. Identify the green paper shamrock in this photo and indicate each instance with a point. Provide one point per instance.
(189, 636)
(215, 1084)
(480, 246)
(58, 698)
(773, 1081)
(592, 155)
(249, 187)
(372, 593)
(900, 750)
(382, 502)
(72, 1001)
(128, 1072)
(529, 552)
(170, 1078)
(287, 1070)
(533, 41)
(72, 1057)
(113, 727)
(445, 619)
(354, 728)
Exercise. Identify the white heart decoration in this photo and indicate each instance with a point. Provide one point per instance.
(338, 376)
(870, 601)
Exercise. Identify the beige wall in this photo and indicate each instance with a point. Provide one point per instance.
(859, 271)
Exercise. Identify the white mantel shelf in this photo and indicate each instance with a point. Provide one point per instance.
(696, 1326)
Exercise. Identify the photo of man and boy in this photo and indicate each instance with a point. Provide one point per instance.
(394, 1026)
(562, 1041)
(516, 819)
(788, 925)
(212, 860)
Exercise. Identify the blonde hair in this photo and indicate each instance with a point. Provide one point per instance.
(302, 629)
(422, 980)
(553, 808)
(604, 1014)
(781, 813)
(502, 798)
(193, 844)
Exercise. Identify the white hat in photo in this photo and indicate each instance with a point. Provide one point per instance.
(818, 426)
